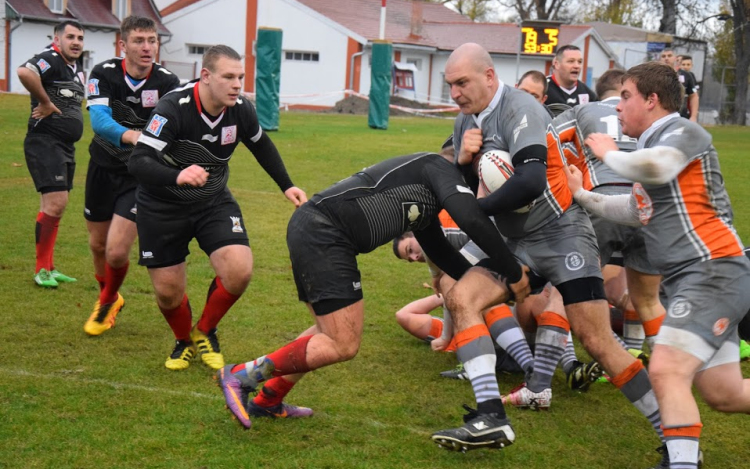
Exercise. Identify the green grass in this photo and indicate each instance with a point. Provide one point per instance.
(71, 401)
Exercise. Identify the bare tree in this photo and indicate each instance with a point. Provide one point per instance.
(537, 9)
(476, 10)
(741, 31)
(668, 22)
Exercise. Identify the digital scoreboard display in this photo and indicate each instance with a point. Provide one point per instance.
(539, 39)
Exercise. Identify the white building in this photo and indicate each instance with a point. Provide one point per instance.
(29, 23)
(326, 44)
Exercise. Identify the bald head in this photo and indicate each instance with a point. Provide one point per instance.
(470, 73)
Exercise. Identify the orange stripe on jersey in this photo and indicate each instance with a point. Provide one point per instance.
(445, 220)
(556, 179)
(627, 374)
(690, 431)
(549, 318)
(497, 313)
(474, 332)
(713, 233)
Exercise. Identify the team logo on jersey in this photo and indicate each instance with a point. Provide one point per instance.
(413, 213)
(357, 286)
(524, 123)
(674, 132)
(643, 201)
(210, 138)
(228, 134)
(157, 123)
(149, 98)
(583, 98)
(236, 226)
(720, 326)
(682, 79)
(43, 65)
(574, 261)
(93, 87)
(679, 309)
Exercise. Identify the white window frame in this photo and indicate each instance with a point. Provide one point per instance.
(121, 9)
(302, 56)
(56, 6)
(205, 47)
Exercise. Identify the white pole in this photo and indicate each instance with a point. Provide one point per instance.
(382, 21)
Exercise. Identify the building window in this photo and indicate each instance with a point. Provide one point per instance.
(416, 62)
(302, 56)
(56, 6)
(197, 49)
(445, 93)
(121, 9)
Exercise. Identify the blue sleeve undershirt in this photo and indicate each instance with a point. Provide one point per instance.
(105, 126)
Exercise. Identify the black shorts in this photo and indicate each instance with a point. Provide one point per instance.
(109, 192)
(51, 162)
(165, 228)
(324, 260)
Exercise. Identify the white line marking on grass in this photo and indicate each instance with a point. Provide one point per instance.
(112, 384)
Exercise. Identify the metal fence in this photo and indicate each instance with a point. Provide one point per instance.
(715, 104)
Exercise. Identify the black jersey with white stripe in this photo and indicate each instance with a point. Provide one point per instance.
(180, 134)
(63, 83)
(387, 199)
(131, 101)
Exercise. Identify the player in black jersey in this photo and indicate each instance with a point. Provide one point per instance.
(564, 87)
(122, 92)
(55, 83)
(324, 237)
(181, 164)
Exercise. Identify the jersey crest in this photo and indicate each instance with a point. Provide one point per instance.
(228, 135)
(149, 98)
(43, 65)
(644, 203)
(156, 124)
(413, 213)
(93, 87)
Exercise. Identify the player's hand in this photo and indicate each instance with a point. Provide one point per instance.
(521, 288)
(130, 137)
(470, 145)
(44, 110)
(575, 178)
(600, 144)
(193, 175)
(439, 344)
(436, 283)
(296, 196)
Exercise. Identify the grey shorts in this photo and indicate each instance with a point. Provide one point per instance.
(628, 240)
(706, 302)
(562, 250)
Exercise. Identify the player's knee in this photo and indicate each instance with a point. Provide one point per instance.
(117, 256)
(348, 349)
(97, 245)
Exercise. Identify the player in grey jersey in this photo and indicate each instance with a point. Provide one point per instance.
(681, 201)
(353, 217)
(570, 131)
(555, 238)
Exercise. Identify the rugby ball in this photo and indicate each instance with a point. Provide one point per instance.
(494, 168)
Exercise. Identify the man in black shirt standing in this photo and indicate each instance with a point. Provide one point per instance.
(690, 103)
(181, 164)
(55, 83)
(564, 87)
(122, 92)
(353, 217)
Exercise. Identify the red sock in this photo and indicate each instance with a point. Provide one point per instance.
(218, 302)
(100, 281)
(46, 234)
(273, 392)
(291, 358)
(113, 278)
(180, 319)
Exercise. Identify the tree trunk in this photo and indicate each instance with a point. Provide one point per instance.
(668, 22)
(740, 10)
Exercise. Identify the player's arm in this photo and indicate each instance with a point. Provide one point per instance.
(31, 79)
(527, 183)
(621, 209)
(440, 252)
(693, 105)
(105, 126)
(657, 165)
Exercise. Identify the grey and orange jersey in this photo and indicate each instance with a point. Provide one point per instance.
(516, 122)
(688, 219)
(572, 127)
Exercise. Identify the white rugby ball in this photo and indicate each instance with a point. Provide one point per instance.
(494, 168)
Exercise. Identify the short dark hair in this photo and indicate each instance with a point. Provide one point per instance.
(60, 27)
(537, 77)
(659, 79)
(611, 80)
(214, 53)
(397, 240)
(687, 57)
(132, 22)
(564, 49)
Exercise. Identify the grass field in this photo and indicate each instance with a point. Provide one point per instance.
(72, 401)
